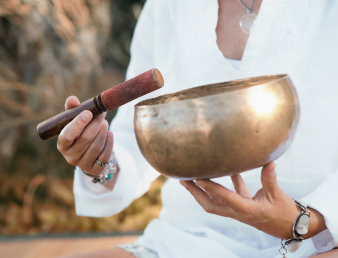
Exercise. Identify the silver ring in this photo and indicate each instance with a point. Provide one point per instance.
(101, 164)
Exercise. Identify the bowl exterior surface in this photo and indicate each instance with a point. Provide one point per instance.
(221, 134)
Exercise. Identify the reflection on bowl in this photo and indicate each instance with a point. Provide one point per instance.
(218, 129)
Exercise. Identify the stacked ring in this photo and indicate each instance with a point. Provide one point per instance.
(101, 164)
(107, 174)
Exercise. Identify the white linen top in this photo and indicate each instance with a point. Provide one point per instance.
(178, 37)
(235, 63)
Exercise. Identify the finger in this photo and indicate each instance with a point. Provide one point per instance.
(95, 148)
(71, 102)
(269, 180)
(209, 205)
(240, 186)
(72, 130)
(105, 155)
(224, 195)
(85, 139)
(210, 196)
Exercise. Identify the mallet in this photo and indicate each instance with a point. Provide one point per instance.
(107, 100)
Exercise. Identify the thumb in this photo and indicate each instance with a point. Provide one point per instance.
(71, 102)
(269, 179)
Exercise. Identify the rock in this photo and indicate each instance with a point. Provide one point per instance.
(303, 224)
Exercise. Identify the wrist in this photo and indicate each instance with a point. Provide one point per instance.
(111, 183)
(301, 228)
(317, 224)
(108, 173)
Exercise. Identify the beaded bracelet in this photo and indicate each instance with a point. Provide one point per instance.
(300, 227)
(107, 174)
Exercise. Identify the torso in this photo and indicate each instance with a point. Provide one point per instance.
(303, 46)
(231, 40)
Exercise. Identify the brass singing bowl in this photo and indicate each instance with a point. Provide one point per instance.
(218, 129)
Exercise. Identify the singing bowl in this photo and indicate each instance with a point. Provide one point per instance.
(218, 129)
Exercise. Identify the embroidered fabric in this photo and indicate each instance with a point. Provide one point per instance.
(139, 251)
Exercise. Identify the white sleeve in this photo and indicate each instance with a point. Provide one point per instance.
(324, 200)
(135, 174)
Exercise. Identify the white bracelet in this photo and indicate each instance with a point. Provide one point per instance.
(107, 174)
(300, 227)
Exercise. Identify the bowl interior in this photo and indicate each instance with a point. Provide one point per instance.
(210, 89)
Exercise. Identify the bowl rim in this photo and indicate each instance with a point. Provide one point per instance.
(283, 76)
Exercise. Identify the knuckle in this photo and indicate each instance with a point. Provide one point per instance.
(109, 142)
(205, 187)
(71, 160)
(64, 140)
(86, 138)
(209, 208)
(105, 158)
(79, 124)
(103, 130)
(249, 217)
(110, 136)
(224, 199)
(95, 147)
(104, 125)
(58, 146)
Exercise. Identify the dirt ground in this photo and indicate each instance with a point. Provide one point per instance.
(52, 248)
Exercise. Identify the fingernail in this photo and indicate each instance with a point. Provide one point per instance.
(183, 183)
(86, 116)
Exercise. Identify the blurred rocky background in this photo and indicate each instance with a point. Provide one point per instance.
(50, 49)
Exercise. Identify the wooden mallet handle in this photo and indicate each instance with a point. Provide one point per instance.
(107, 100)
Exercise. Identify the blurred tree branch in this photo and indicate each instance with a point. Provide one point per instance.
(50, 49)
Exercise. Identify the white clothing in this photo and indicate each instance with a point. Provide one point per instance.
(235, 63)
(178, 37)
